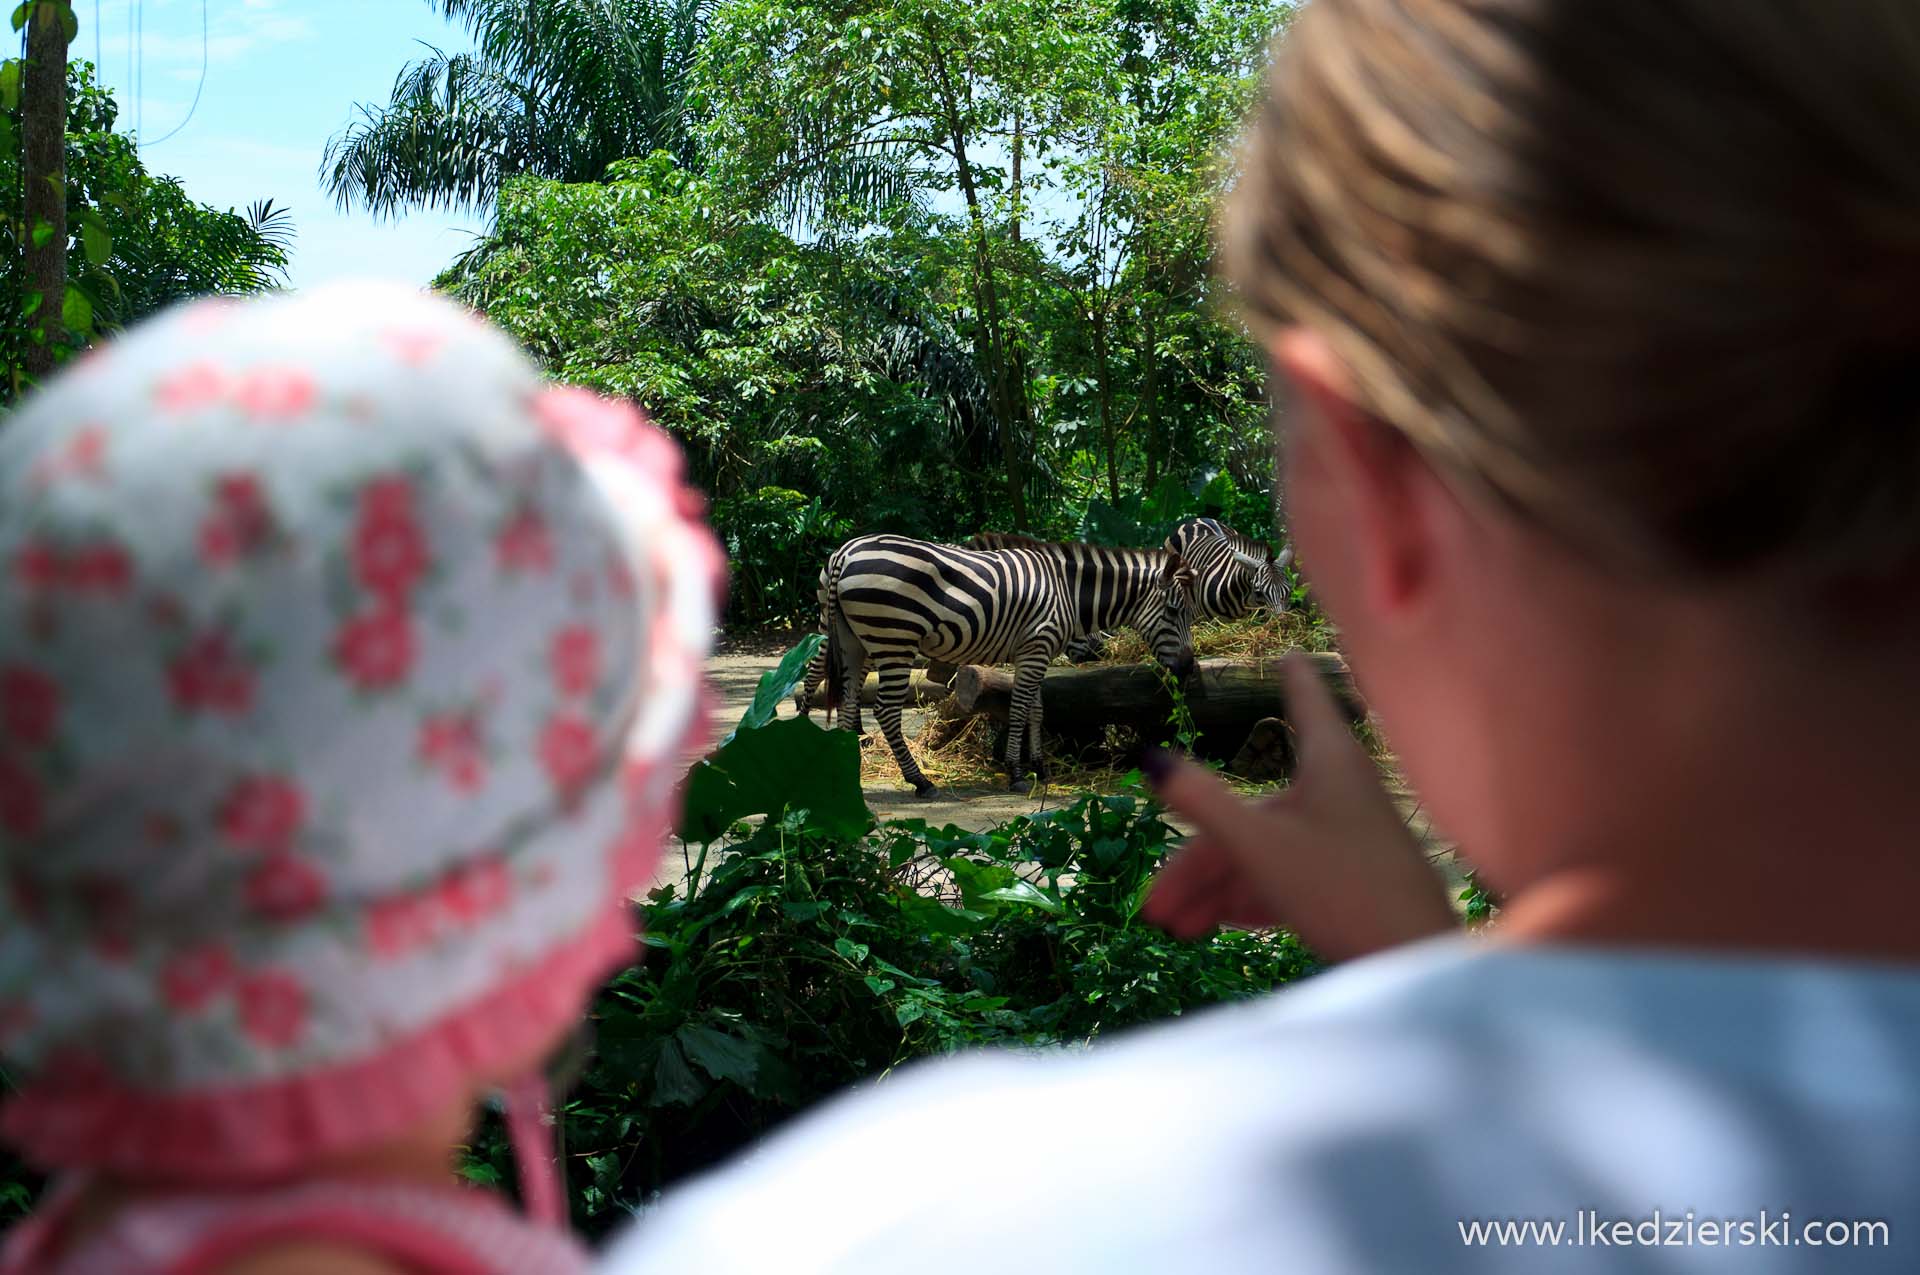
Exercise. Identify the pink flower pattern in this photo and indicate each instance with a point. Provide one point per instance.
(29, 706)
(239, 523)
(576, 660)
(312, 584)
(192, 388)
(209, 677)
(567, 752)
(22, 801)
(262, 814)
(389, 551)
(451, 743)
(523, 544)
(285, 889)
(191, 981)
(375, 651)
(274, 393)
(273, 1009)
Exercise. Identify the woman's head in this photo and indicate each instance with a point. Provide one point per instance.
(1597, 324)
(1643, 271)
(346, 669)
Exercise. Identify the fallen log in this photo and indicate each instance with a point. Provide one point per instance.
(921, 690)
(1227, 699)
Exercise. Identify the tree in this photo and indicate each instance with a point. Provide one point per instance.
(1083, 141)
(813, 383)
(553, 88)
(43, 112)
(136, 242)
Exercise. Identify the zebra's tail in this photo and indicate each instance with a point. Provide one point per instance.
(839, 635)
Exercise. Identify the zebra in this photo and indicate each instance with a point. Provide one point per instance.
(1234, 575)
(888, 598)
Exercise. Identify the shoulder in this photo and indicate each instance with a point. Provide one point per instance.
(1134, 1141)
(1351, 1123)
(312, 1259)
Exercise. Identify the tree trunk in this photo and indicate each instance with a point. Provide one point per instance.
(1149, 393)
(1019, 149)
(1103, 397)
(1227, 700)
(986, 292)
(43, 119)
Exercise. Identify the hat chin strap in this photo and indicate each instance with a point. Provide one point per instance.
(528, 1104)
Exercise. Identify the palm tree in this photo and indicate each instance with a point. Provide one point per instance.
(554, 88)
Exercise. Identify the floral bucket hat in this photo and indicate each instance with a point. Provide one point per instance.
(345, 670)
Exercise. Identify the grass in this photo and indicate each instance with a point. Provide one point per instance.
(1265, 637)
(968, 759)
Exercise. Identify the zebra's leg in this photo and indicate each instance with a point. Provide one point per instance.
(853, 676)
(894, 682)
(1030, 671)
(816, 674)
(1036, 752)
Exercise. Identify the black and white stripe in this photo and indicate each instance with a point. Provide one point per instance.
(1234, 575)
(890, 598)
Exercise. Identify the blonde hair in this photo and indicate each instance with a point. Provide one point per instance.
(1643, 269)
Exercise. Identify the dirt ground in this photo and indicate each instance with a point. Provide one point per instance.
(736, 669)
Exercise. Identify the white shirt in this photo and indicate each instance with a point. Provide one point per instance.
(1357, 1121)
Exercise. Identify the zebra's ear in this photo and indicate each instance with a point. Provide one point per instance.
(1286, 556)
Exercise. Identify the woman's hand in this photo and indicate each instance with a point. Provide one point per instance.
(1329, 858)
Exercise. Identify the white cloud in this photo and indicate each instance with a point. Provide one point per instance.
(169, 37)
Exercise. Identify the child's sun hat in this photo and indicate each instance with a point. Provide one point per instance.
(346, 674)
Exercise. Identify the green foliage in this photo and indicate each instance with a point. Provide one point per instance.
(818, 388)
(925, 266)
(796, 959)
(769, 766)
(19, 1185)
(1481, 902)
(1148, 520)
(137, 241)
(799, 962)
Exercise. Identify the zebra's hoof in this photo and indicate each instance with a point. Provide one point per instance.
(925, 792)
(1021, 786)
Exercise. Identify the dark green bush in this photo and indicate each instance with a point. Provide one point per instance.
(791, 964)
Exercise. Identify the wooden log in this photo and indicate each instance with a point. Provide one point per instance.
(1226, 698)
(921, 690)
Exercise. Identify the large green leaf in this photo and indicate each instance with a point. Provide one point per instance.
(787, 764)
(720, 1055)
(673, 1081)
(778, 682)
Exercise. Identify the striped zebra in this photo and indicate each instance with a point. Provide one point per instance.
(1234, 575)
(889, 598)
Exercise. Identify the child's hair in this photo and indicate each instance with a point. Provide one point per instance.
(1641, 269)
(347, 670)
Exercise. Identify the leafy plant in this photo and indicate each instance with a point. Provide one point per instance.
(795, 959)
(138, 242)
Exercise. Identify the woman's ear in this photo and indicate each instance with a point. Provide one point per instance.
(1374, 523)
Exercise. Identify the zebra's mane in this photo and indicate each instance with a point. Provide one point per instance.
(992, 540)
(1248, 552)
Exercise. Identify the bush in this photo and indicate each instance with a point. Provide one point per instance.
(791, 964)
(795, 960)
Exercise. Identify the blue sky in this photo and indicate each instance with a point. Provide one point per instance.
(282, 77)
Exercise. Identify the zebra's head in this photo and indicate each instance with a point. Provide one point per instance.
(1271, 581)
(1169, 624)
(1267, 574)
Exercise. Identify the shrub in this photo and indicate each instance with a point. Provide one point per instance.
(795, 960)
(791, 964)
